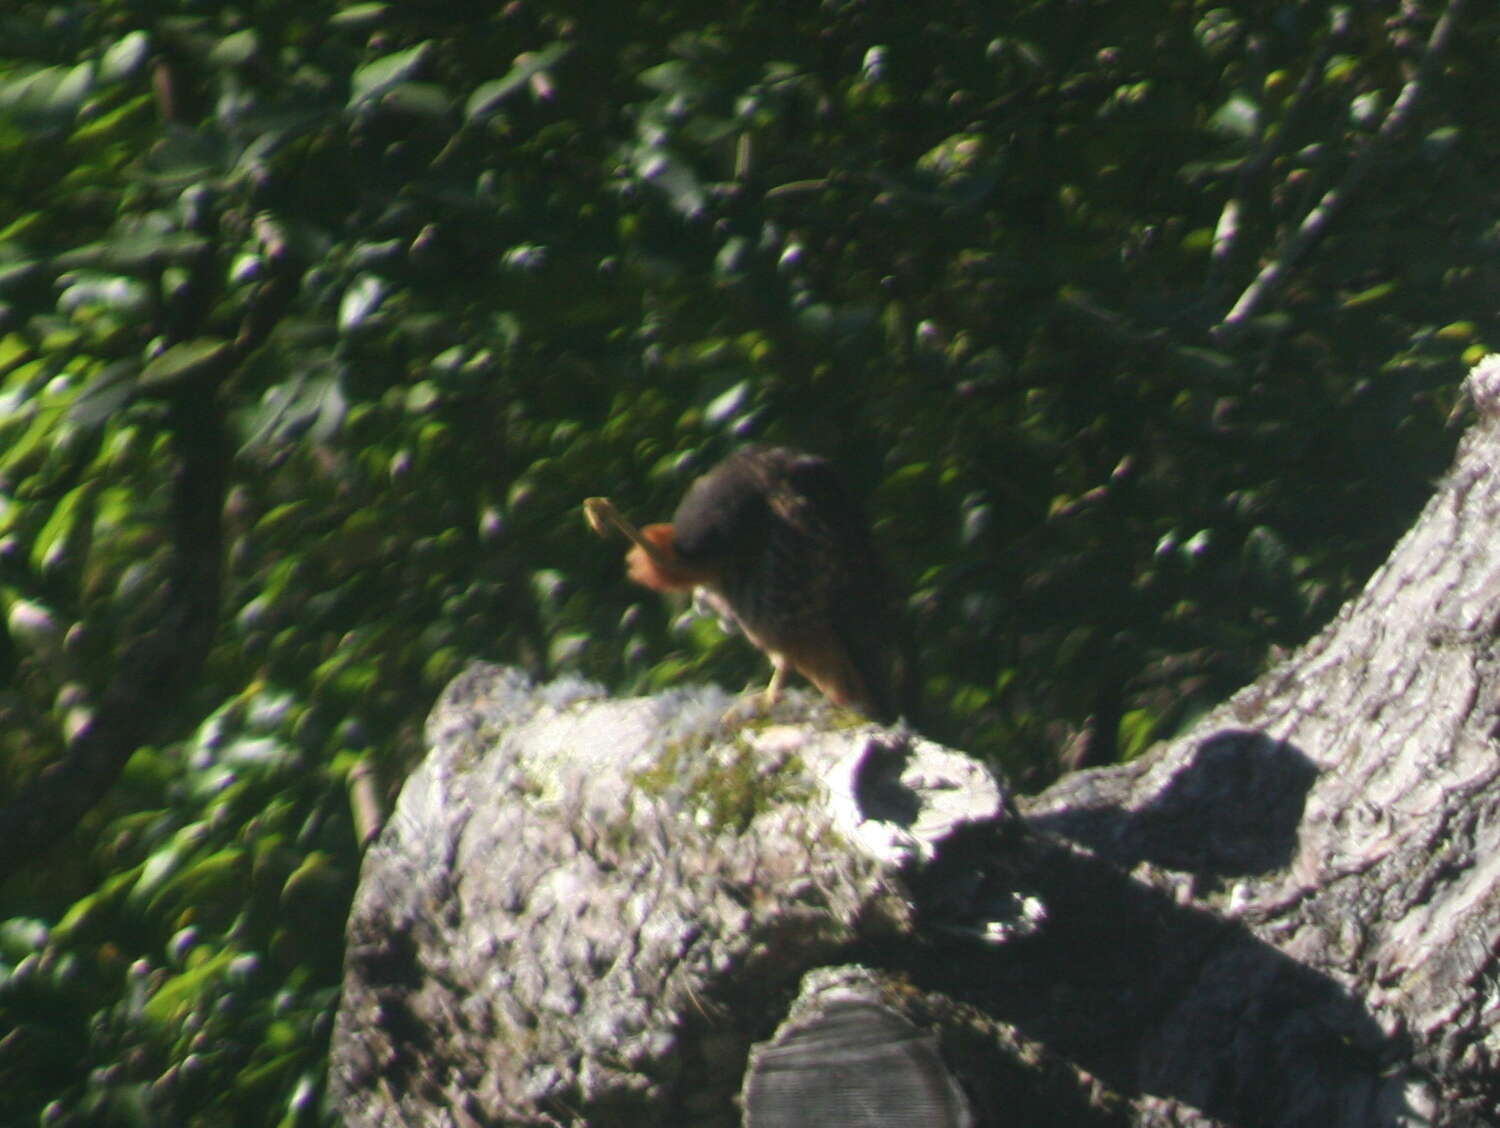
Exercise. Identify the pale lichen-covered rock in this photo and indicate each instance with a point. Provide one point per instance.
(588, 908)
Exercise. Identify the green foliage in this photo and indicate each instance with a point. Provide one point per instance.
(486, 260)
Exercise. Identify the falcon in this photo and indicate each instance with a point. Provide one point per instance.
(773, 540)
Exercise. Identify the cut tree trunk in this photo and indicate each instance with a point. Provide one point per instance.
(1341, 818)
(598, 912)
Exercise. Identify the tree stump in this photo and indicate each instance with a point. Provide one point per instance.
(587, 910)
(601, 912)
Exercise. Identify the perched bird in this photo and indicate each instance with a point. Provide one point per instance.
(774, 541)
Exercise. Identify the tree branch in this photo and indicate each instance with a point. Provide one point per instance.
(1248, 186)
(156, 667)
(1317, 222)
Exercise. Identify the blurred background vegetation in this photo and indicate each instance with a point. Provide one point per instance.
(318, 320)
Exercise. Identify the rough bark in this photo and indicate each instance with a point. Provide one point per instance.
(587, 910)
(1341, 819)
(1289, 916)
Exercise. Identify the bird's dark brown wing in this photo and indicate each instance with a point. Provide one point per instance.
(851, 598)
(797, 566)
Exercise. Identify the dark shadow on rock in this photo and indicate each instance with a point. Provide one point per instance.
(1164, 1000)
(1232, 810)
(528, 943)
(878, 788)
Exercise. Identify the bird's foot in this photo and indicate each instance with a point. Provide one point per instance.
(752, 706)
(746, 708)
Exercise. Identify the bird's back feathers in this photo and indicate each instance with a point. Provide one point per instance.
(792, 556)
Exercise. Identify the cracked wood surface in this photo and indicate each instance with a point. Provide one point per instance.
(1390, 885)
(1288, 916)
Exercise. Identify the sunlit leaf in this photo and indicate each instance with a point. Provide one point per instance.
(421, 99)
(375, 78)
(675, 77)
(106, 394)
(63, 540)
(309, 404)
(189, 360)
(363, 297)
(181, 993)
(15, 275)
(133, 251)
(674, 178)
(1370, 296)
(109, 291)
(1237, 117)
(235, 49)
(124, 57)
(487, 98)
(49, 96)
(359, 15)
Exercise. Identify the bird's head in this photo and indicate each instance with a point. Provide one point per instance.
(663, 569)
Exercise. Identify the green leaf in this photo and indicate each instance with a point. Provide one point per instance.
(318, 874)
(16, 275)
(1238, 117)
(181, 992)
(133, 252)
(675, 178)
(486, 99)
(1457, 331)
(20, 936)
(184, 156)
(235, 50)
(1371, 296)
(211, 882)
(124, 57)
(106, 394)
(675, 78)
(63, 541)
(119, 125)
(363, 297)
(24, 226)
(24, 456)
(14, 348)
(1266, 558)
(314, 404)
(1137, 729)
(109, 291)
(1210, 361)
(189, 360)
(163, 864)
(96, 908)
(420, 99)
(374, 79)
(48, 97)
(360, 16)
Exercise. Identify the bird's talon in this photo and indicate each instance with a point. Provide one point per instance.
(746, 708)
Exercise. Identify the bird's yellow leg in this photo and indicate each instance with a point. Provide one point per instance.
(753, 705)
(778, 679)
